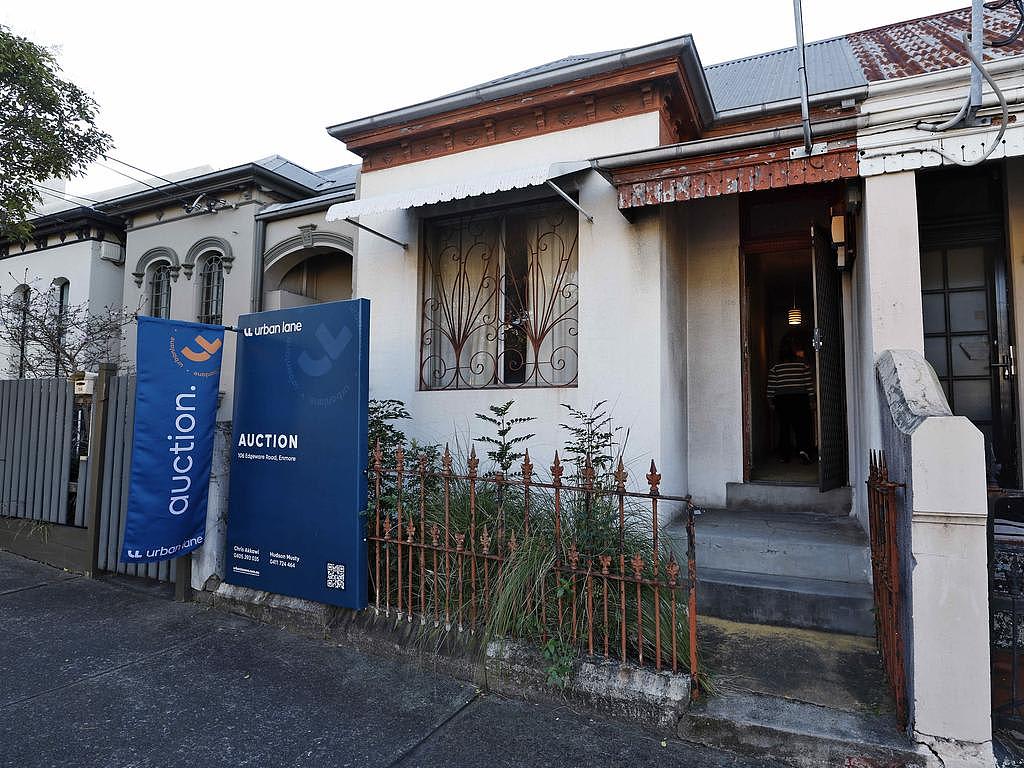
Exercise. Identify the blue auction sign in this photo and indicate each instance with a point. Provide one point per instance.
(177, 385)
(298, 483)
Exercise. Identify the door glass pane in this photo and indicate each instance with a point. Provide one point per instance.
(970, 355)
(935, 353)
(967, 312)
(973, 399)
(934, 313)
(931, 270)
(966, 267)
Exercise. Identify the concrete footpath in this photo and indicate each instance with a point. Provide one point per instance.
(112, 673)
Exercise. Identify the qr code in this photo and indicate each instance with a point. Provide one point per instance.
(335, 576)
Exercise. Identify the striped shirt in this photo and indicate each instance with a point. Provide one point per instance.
(790, 379)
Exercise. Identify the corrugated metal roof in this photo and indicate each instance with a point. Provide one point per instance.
(339, 176)
(565, 61)
(929, 44)
(768, 77)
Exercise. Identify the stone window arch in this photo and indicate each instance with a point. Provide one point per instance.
(202, 248)
(159, 254)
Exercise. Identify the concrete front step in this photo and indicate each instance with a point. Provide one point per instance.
(777, 497)
(804, 545)
(794, 569)
(797, 733)
(788, 601)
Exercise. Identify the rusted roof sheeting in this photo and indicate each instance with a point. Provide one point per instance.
(930, 44)
(770, 168)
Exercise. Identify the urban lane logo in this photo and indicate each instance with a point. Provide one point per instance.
(208, 350)
(332, 345)
(202, 363)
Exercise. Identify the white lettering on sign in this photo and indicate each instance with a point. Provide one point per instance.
(265, 329)
(182, 443)
(267, 440)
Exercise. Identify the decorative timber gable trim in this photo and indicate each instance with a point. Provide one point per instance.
(764, 168)
(659, 86)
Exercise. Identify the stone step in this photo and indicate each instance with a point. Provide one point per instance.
(802, 545)
(778, 497)
(797, 733)
(787, 601)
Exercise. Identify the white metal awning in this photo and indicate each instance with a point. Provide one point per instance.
(458, 190)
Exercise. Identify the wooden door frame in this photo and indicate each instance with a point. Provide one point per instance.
(793, 241)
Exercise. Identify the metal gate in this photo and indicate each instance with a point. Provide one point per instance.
(830, 368)
(883, 512)
(1006, 611)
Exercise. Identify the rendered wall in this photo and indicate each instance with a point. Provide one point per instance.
(236, 226)
(886, 296)
(92, 279)
(621, 302)
(714, 396)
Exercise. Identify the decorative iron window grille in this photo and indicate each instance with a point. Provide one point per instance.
(500, 299)
(211, 291)
(160, 291)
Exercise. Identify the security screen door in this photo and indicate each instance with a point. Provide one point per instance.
(967, 338)
(830, 364)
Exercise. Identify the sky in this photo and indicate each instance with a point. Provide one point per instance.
(221, 82)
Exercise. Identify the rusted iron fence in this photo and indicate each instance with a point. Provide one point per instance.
(883, 512)
(575, 563)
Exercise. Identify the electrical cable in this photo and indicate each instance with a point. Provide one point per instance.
(940, 151)
(1013, 36)
(64, 195)
(153, 175)
(145, 183)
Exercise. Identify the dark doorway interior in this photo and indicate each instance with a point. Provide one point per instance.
(967, 309)
(780, 313)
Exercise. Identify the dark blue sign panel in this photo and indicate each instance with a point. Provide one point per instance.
(178, 367)
(298, 482)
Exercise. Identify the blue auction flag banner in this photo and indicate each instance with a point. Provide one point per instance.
(298, 482)
(177, 385)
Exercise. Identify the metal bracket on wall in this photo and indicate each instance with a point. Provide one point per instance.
(569, 200)
(354, 223)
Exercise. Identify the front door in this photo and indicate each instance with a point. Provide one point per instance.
(830, 364)
(968, 339)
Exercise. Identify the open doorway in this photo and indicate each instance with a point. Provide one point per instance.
(781, 375)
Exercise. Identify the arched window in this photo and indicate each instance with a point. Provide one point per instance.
(211, 291)
(160, 290)
(62, 287)
(23, 295)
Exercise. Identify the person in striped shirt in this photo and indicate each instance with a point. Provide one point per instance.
(791, 398)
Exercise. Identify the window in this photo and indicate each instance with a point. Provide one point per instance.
(63, 289)
(63, 295)
(499, 301)
(23, 293)
(160, 290)
(211, 291)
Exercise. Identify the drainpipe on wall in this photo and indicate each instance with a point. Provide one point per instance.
(258, 243)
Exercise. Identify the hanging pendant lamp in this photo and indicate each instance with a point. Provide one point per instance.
(795, 316)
